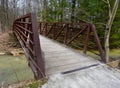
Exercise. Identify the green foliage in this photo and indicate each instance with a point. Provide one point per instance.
(115, 32)
(94, 11)
(36, 84)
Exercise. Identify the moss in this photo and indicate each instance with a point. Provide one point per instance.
(36, 84)
(9, 65)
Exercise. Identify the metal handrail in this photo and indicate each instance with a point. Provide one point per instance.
(71, 31)
(25, 29)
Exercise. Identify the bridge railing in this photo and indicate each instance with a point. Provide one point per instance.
(77, 35)
(25, 29)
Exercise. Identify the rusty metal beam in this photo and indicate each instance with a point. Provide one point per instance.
(25, 29)
(87, 40)
(98, 43)
(69, 36)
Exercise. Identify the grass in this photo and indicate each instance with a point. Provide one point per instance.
(36, 84)
(14, 69)
(113, 53)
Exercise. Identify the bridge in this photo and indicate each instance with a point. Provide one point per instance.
(50, 51)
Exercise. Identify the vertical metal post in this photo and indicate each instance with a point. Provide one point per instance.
(53, 31)
(66, 33)
(98, 43)
(38, 60)
(46, 28)
(40, 27)
(87, 39)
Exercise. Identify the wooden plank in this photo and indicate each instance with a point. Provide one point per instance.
(59, 58)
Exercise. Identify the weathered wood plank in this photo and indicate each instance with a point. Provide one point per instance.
(59, 58)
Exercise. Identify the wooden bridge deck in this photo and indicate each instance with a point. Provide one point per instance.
(59, 58)
(83, 71)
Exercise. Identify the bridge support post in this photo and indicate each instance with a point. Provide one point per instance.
(87, 39)
(38, 53)
(98, 43)
(66, 33)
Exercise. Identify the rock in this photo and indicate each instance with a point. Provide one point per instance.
(8, 53)
(2, 53)
(17, 53)
(114, 64)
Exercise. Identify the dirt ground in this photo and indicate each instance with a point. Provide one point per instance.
(7, 44)
(4, 42)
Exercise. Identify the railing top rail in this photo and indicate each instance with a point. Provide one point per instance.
(24, 16)
(81, 23)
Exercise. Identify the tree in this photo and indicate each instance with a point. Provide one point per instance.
(112, 13)
(73, 10)
(4, 14)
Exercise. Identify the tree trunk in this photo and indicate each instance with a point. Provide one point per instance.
(29, 9)
(108, 27)
(73, 10)
(45, 9)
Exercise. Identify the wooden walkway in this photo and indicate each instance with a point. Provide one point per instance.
(78, 70)
(59, 58)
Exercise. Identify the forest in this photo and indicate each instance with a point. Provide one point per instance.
(104, 14)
